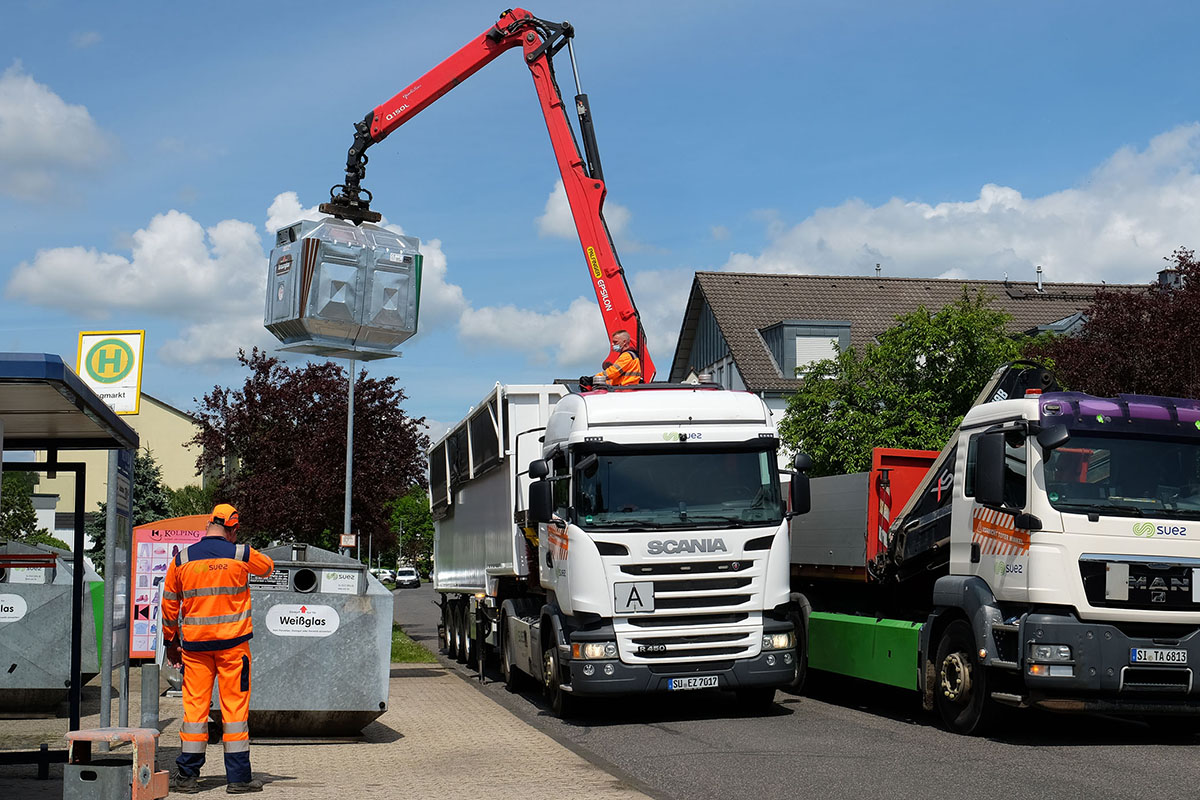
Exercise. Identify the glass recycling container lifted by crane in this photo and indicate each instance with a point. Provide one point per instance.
(341, 290)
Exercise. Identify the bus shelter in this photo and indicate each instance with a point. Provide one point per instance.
(45, 406)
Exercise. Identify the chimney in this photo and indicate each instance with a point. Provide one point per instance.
(1039, 279)
(878, 270)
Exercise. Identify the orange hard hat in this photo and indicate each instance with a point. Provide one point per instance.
(224, 514)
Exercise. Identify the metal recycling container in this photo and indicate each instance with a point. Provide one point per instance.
(322, 645)
(341, 290)
(35, 626)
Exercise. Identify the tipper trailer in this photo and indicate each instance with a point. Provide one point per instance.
(616, 541)
(1049, 556)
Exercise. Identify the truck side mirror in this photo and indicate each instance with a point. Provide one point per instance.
(989, 469)
(541, 500)
(1053, 437)
(538, 469)
(799, 494)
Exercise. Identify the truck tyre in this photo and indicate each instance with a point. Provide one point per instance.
(513, 678)
(801, 680)
(759, 699)
(961, 692)
(561, 703)
(448, 625)
(464, 634)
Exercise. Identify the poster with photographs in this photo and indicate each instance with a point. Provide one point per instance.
(155, 545)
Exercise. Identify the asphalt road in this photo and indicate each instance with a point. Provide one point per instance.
(845, 739)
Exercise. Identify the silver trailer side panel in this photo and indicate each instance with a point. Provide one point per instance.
(476, 538)
(834, 532)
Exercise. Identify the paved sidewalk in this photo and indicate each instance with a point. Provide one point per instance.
(440, 738)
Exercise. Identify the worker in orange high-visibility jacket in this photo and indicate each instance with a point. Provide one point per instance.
(626, 367)
(207, 627)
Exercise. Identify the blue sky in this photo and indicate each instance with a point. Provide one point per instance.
(147, 150)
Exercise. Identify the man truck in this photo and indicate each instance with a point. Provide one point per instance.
(615, 541)
(1048, 556)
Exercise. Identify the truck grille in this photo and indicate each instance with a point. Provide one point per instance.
(702, 610)
(1114, 583)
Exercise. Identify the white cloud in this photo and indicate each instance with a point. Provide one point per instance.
(557, 221)
(572, 337)
(176, 269)
(42, 137)
(1135, 208)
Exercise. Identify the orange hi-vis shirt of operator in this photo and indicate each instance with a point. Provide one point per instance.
(626, 368)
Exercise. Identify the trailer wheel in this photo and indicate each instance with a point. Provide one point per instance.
(449, 625)
(961, 691)
(513, 678)
(561, 703)
(466, 646)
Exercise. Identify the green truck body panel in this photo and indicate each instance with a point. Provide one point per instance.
(875, 649)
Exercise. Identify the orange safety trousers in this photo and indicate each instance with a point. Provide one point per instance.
(230, 668)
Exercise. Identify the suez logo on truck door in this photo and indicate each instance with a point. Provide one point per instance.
(287, 619)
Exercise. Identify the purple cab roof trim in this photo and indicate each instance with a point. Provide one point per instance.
(1132, 406)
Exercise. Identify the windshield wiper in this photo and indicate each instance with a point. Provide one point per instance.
(625, 524)
(734, 522)
(1120, 510)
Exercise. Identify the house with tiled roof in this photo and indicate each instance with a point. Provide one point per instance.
(754, 331)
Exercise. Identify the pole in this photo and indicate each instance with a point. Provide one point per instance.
(110, 588)
(370, 543)
(76, 689)
(349, 457)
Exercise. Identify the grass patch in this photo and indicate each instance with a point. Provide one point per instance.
(406, 651)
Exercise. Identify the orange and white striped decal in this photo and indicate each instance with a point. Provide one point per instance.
(557, 541)
(996, 534)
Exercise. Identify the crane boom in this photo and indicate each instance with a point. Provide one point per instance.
(582, 175)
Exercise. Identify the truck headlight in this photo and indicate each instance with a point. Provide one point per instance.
(779, 641)
(1049, 652)
(593, 650)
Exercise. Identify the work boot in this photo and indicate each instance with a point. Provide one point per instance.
(185, 784)
(244, 787)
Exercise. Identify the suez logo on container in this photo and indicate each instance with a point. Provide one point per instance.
(302, 620)
(1149, 529)
(12, 608)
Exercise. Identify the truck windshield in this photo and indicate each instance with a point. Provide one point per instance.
(692, 489)
(1125, 476)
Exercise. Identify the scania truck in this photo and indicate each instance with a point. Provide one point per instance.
(1048, 556)
(615, 541)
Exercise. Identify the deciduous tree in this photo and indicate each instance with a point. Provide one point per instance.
(413, 525)
(279, 443)
(909, 390)
(1136, 342)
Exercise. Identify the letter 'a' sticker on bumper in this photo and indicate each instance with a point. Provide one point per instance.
(633, 598)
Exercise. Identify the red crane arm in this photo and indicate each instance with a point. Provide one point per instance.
(582, 177)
